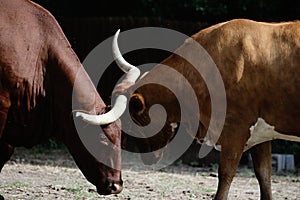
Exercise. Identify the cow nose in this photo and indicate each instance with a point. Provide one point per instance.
(112, 188)
(115, 188)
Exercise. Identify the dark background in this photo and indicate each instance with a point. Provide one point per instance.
(87, 23)
(193, 10)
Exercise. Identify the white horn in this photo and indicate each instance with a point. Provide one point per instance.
(109, 117)
(132, 74)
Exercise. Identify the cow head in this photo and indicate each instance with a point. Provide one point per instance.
(141, 108)
(140, 105)
(158, 130)
(100, 163)
(100, 157)
(146, 94)
(98, 153)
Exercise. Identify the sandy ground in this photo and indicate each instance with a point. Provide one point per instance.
(53, 175)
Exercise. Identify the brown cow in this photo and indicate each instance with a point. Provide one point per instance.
(259, 64)
(38, 69)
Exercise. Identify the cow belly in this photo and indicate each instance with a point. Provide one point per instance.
(259, 133)
(262, 132)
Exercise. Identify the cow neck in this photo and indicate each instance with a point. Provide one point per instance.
(191, 74)
(70, 81)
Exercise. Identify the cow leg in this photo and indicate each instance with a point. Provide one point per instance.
(231, 153)
(262, 162)
(4, 107)
(5, 150)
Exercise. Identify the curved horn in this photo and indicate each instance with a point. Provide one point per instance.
(109, 117)
(132, 74)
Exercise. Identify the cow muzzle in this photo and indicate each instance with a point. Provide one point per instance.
(111, 188)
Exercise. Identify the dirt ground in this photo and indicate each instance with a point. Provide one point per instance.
(54, 175)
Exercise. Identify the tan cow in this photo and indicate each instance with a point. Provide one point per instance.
(260, 66)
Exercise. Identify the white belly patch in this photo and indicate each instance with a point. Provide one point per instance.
(262, 132)
(259, 133)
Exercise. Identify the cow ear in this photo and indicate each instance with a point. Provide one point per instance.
(137, 103)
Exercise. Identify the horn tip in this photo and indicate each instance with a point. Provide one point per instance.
(118, 31)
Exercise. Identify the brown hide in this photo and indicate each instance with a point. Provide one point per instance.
(38, 69)
(258, 63)
(260, 66)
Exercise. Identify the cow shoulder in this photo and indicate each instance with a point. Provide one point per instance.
(26, 30)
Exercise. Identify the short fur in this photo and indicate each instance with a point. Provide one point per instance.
(38, 69)
(260, 66)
